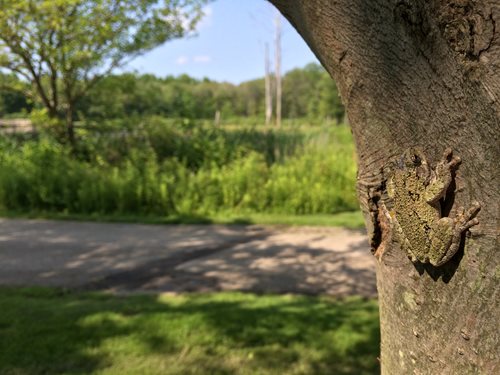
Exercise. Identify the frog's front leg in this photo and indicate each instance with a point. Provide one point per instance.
(446, 235)
(441, 178)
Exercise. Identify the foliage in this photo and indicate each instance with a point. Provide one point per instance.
(13, 98)
(64, 47)
(310, 92)
(168, 169)
(49, 331)
(307, 93)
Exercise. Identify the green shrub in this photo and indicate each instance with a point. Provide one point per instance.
(167, 167)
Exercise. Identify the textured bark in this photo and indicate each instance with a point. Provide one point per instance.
(422, 73)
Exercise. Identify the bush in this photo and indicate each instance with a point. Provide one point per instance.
(166, 167)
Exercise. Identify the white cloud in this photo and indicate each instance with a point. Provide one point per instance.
(203, 59)
(198, 59)
(182, 60)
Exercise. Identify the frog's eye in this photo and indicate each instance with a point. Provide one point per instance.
(416, 160)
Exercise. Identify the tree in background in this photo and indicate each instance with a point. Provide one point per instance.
(310, 92)
(13, 98)
(309, 95)
(300, 97)
(64, 47)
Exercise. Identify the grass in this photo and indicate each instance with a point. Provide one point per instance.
(352, 219)
(51, 331)
(173, 171)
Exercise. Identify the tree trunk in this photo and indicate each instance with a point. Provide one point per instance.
(70, 127)
(422, 73)
(267, 81)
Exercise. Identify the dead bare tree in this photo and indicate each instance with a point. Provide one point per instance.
(278, 69)
(269, 98)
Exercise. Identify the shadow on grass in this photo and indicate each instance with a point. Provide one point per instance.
(49, 331)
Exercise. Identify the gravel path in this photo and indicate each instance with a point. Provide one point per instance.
(160, 258)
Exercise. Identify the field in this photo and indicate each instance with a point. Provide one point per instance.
(50, 331)
(181, 171)
(167, 171)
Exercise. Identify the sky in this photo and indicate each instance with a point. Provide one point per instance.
(229, 45)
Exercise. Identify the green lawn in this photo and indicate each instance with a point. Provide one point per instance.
(49, 331)
(352, 219)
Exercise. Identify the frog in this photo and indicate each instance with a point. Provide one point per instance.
(416, 218)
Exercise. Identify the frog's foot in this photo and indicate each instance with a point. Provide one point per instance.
(442, 177)
(447, 163)
(466, 219)
(449, 160)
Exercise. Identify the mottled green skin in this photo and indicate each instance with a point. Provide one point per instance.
(416, 217)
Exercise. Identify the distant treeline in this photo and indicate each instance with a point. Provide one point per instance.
(308, 92)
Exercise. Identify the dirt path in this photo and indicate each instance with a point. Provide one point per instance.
(131, 257)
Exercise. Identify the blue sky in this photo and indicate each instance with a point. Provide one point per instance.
(229, 46)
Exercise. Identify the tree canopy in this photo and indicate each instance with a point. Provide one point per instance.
(64, 47)
(309, 93)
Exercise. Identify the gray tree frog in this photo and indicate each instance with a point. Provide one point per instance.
(416, 218)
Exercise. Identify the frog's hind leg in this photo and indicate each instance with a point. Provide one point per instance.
(446, 238)
(442, 238)
(404, 243)
(397, 232)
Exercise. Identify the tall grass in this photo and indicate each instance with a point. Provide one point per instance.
(165, 168)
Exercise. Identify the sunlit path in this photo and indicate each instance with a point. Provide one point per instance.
(131, 257)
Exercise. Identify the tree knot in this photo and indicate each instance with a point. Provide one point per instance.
(467, 26)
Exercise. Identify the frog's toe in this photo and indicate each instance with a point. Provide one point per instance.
(454, 161)
(476, 207)
(472, 212)
(469, 224)
(447, 153)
